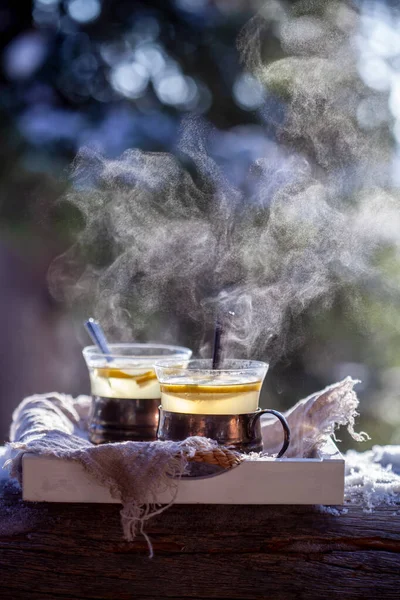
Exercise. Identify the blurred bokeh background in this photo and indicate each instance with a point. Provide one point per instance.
(120, 74)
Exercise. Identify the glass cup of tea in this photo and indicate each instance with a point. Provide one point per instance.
(221, 404)
(125, 390)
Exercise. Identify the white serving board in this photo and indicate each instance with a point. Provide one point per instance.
(281, 481)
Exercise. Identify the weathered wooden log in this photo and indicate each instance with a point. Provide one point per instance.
(65, 551)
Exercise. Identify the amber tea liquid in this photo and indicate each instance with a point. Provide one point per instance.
(210, 395)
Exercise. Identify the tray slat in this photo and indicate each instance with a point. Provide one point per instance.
(282, 481)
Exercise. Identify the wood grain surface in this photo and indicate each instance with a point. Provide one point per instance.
(202, 552)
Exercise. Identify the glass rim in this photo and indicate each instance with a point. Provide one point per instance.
(205, 365)
(93, 352)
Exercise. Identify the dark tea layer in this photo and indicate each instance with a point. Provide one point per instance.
(122, 419)
(241, 432)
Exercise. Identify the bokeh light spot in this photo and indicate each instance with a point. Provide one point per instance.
(84, 11)
(176, 89)
(249, 94)
(129, 79)
(375, 73)
(151, 57)
(192, 6)
(24, 55)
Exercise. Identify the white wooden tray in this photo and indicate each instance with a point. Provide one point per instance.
(317, 480)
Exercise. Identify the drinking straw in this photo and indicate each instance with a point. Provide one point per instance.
(95, 331)
(216, 358)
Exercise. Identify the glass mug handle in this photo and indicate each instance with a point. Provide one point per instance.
(284, 423)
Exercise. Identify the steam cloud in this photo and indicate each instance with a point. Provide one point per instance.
(170, 241)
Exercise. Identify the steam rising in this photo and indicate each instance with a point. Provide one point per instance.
(169, 241)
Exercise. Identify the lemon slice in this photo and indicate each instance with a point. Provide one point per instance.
(141, 380)
(192, 388)
(114, 373)
(108, 372)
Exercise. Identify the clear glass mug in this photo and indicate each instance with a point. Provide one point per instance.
(125, 390)
(221, 404)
